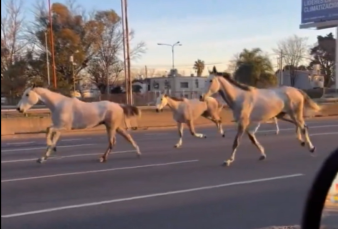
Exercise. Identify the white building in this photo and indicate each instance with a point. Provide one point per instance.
(177, 85)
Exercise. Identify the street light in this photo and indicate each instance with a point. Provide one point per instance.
(71, 60)
(172, 50)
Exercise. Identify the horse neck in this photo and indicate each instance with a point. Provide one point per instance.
(49, 98)
(173, 104)
(231, 92)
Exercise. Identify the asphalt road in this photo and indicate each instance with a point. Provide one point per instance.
(182, 188)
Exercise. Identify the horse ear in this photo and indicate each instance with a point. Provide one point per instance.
(214, 70)
(165, 95)
(33, 86)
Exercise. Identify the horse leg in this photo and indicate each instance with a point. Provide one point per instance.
(240, 132)
(220, 127)
(304, 127)
(49, 137)
(51, 144)
(193, 132)
(217, 121)
(128, 137)
(257, 127)
(298, 128)
(294, 122)
(111, 143)
(254, 141)
(276, 123)
(180, 133)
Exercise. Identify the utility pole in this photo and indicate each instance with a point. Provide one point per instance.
(124, 51)
(47, 59)
(130, 89)
(281, 68)
(52, 44)
(145, 71)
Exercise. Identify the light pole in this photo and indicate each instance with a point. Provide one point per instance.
(71, 60)
(172, 51)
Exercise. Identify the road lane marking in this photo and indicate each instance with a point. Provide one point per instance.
(287, 129)
(319, 134)
(61, 157)
(98, 171)
(148, 196)
(18, 143)
(34, 148)
(72, 139)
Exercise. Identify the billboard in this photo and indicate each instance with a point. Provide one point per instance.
(319, 11)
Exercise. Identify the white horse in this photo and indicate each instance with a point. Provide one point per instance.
(187, 111)
(251, 106)
(70, 113)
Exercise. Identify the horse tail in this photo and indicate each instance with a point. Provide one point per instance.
(131, 111)
(310, 103)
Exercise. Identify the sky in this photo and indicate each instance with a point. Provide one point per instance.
(210, 30)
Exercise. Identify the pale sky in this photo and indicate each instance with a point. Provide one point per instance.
(211, 30)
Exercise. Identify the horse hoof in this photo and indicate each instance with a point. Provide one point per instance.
(102, 160)
(54, 149)
(176, 146)
(313, 150)
(204, 136)
(226, 164)
(138, 156)
(302, 144)
(223, 135)
(40, 161)
(262, 158)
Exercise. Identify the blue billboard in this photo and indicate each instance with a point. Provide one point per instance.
(319, 10)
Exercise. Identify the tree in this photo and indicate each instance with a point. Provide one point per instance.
(252, 67)
(199, 67)
(323, 53)
(74, 35)
(108, 61)
(293, 50)
(12, 45)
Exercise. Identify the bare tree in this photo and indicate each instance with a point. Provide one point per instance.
(12, 29)
(108, 58)
(294, 50)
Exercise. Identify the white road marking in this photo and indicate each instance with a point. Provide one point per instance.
(98, 171)
(61, 157)
(34, 148)
(319, 134)
(72, 139)
(287, 129)
(18, 143)
(149, 196)
(156, 134)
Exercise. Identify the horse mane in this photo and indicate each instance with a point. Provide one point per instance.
(235, 82)
(176, 99)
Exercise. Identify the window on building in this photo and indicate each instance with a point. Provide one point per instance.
(184, 84)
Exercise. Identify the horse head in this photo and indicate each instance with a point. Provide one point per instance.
(28, 99)
(161, 102)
